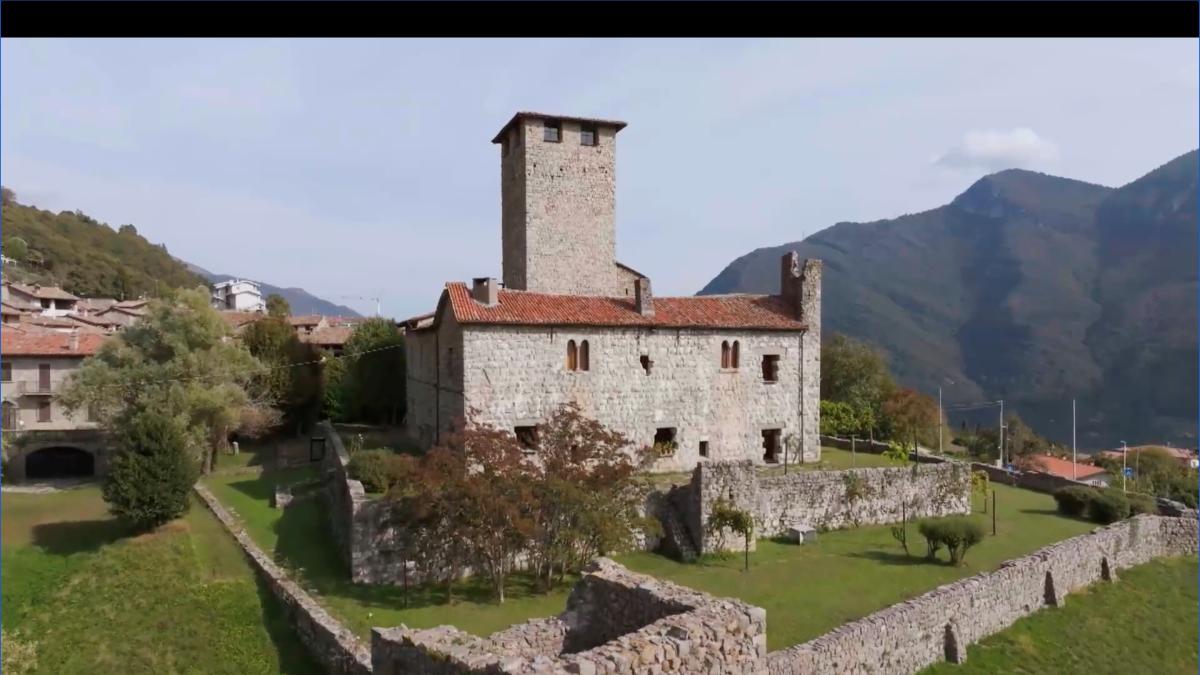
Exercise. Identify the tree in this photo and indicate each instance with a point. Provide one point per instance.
(293, 375)
(16, 248)
(725, 516)
(910, 414)
(179, 361)
(854, 373)
(7, 196)
(152, 472)
(278, 306)
(375, 364)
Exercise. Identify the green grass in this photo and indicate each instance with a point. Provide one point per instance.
(1144, 623)
(94, 598)
(845, 575)
(298, 538)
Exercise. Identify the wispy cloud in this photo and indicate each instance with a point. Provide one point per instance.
(993, 150)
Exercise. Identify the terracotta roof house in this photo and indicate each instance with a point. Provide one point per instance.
(693, 378)
(1064, 468)
(331, 339)
(93, 305)
(1184, 456)
(239, 320)
(51, 300)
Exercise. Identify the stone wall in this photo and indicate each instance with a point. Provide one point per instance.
(332, 645)
(518, 378)
(823, 499)
(433, 379)
(912, 635)
(616, 622)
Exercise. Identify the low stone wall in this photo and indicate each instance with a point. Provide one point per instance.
(822, 499)
(616, 622)
(912, 635)
(333, 645)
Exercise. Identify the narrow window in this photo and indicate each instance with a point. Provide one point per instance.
(43, 411)
(5, 372)
(770, 367)
(10, 416)
(734, 359)
(552, 131)
(44, 377)
(587, 134)
(572, 356)
(584, 356)
(725, 354)
(664, 441)
(704, 448)
(527, 437)
(771, 445)
(646, 363)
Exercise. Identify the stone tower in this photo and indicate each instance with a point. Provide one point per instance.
(558, 205)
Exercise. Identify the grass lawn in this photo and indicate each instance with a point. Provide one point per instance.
(808, 590)
(96, 599)
(299, 539)
(1144, 623)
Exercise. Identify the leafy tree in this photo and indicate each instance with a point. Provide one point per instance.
(278, 306)
(842, 419)
(910, 416)
(152, 472)
(375, 358)
(726, 516)
(336, 403)
(7, 196)
(16, 248)
(180, 362)
(956, 533)
(854, 373)
(293, 377)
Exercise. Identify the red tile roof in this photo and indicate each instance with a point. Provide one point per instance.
(237, 319)
(328, 337)
(16, 342)
(754, 312)
(1062, 467)
(305, 320)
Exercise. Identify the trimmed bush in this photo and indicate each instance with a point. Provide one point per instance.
(1074, 500)
(379, 469)
(1109, 506)
(152, 472)
(957, 533)
(1139, 503)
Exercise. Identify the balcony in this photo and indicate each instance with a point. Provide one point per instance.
(27, 388)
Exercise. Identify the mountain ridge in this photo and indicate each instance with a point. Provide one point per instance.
(300, 300)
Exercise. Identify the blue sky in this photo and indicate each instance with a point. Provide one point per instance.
(363, 167)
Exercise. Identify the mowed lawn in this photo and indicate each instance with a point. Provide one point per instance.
(299, 539)
(845, 575)
(1144, 623)
(95, 598)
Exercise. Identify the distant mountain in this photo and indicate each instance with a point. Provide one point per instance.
(84, 256)
(300, 300)
(1031, 288)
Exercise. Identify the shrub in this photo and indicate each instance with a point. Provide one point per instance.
(150, 479)
(1108, 506)
(20, 655)
(1074, 500)
(378, 469)
(1139, 503)
(957, 533)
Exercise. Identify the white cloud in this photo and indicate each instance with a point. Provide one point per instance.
(994, 150)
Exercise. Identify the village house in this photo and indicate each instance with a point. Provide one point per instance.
(51, 300)
(695, 378)
(240, 295)
(1065, 468)
(34, 363)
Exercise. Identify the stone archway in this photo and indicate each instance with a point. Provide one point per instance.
(60, 461)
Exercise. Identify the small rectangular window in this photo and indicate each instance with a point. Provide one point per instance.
(43, 411)
(664, 441)
(587, 134)
(552, 131)
(527, 437)
(771, 445)
(5, 372)
(646, 363)
(770, 367)
(45, 304)
(704, 448)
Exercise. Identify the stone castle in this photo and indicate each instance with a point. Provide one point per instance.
(698, 378)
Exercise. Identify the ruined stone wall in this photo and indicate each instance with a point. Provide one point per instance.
(823, 499)
(558, 209)
(433, 379)
(518, 377)
(332, 645)
(912, 635)
(669, 629)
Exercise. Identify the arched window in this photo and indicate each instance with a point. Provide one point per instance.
(584, 356)
(733, 360)
(725, 354)
(572, 356)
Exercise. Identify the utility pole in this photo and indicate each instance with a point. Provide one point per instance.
(941, 416)
(1002, 464)
(1073, 471)
(1124, 453)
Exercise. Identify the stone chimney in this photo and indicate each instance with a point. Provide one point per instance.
(643, 299)
(486, 291)
(800, 286)
(73, 340)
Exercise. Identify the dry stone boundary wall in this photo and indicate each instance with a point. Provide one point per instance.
(333, 645)
(912, 635)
